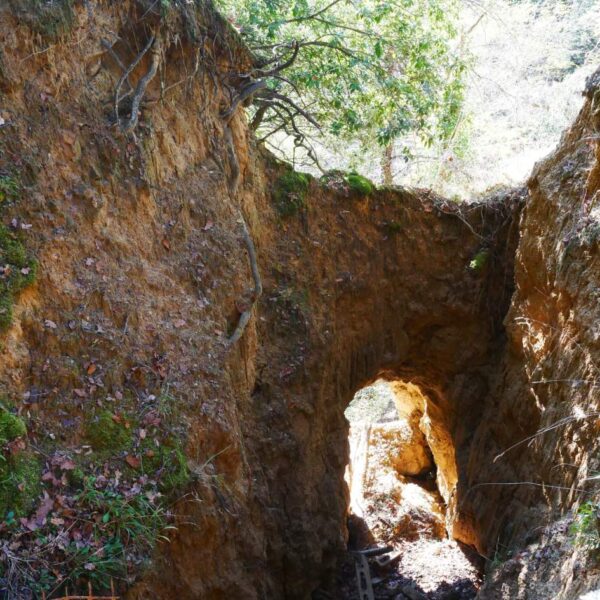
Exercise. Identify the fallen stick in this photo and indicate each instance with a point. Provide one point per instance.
(375, 551)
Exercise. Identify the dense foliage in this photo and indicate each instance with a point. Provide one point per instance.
(371, 71)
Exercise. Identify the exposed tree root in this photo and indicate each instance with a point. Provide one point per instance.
(244, 95)
(140, 89)
(234, 165)
(258, 289)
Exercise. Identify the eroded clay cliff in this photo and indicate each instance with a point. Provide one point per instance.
(138, 232)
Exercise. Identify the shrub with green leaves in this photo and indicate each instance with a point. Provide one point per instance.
(373, 71)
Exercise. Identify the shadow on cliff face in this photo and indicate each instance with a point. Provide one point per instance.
(401, 480)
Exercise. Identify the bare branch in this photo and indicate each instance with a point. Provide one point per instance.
(273, 94)
(258, 117)
(335, 47)
(348, 27)
(312, 16)
(285, 65)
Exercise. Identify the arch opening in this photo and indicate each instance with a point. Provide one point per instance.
(402, 478)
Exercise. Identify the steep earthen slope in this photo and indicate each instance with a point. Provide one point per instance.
(143, 275)
(539, 436)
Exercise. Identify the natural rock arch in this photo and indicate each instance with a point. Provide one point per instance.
(404, 307)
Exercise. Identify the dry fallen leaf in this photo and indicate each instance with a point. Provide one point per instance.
(133, 461)
(67, 465)
(166, 244)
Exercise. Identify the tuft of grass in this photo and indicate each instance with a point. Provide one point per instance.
(290, 193)
(124, 526)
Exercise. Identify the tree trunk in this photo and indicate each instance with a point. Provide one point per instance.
(386, 165)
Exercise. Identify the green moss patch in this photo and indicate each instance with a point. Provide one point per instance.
(359, 185)
(348, 183)
(169, 464)
(11, 427)
(105, 432)
(20, 484)
(20, 470)
(289, 193)
(50, 19)
(17, 271)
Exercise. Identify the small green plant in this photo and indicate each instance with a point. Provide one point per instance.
(480, 260)
(290, 193)
(9, 189)
(586, 526)
(393, 227)
(359, 184)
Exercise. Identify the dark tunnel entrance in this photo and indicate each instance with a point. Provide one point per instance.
(402, 479)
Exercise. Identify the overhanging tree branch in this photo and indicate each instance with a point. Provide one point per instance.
(312, 16)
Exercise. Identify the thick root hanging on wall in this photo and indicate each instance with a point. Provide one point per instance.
(153, 45)
(258, 289)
